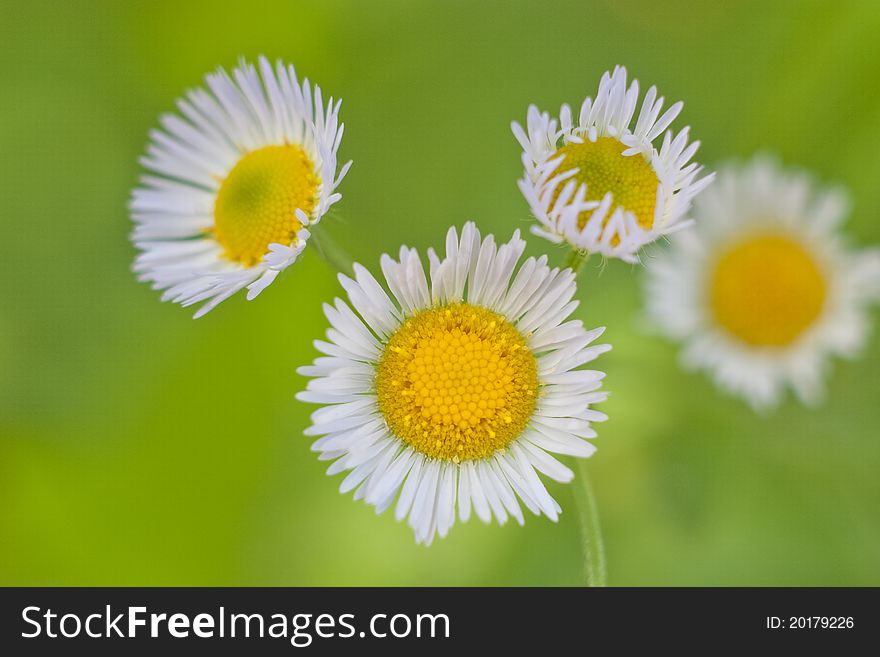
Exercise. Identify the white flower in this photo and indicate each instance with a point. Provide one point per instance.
(764, 290)
(601, 186)
(237, 178)
(455, 391)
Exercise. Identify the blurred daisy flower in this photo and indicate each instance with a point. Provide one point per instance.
(451, 395)
(236, 180)
(600, 185)
(764, 289)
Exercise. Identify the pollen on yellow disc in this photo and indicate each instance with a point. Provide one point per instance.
(603, 167)
(457, 382)
(767, 290)
(257, 201)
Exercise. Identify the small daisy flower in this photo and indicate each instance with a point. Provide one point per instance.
(236, 180)
(764, 289)
(600, 185)
(452, 395)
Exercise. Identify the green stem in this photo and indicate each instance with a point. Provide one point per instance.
(588, 513)
(576, 259)
(591, 530)
(330, 251)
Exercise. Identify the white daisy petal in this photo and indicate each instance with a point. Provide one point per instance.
(481, 504)
(486, 478)
(410, 486)
(539, 491)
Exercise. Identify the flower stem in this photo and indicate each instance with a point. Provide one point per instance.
(576, 259)
(330, 251)
(591, 530)
(588, 513)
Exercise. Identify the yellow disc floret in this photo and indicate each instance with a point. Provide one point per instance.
(767, 290)
(257, 201)
(603, 167)
(457, 382)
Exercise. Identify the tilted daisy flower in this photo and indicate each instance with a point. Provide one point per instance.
(452, 395)
(236, 180)
(764, 289)
(600, 185)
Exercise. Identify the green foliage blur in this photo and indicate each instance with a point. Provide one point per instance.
(138, 447)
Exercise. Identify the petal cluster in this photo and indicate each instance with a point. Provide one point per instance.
(432, 492)
(562, 205)
(190, 156)
(749, 201)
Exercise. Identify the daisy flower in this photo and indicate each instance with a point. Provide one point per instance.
(236, 180)
(451, 394)
(600, 185)
(764, 289)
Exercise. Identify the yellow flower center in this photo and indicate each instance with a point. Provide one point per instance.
(457, 382)
(767, 290)
(603, 167)
(257, 201)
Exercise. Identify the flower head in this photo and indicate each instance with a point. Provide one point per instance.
(236, 180)
(454, 391)
(602, 186)
(764, 289)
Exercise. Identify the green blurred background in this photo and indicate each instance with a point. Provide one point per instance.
(138, 447)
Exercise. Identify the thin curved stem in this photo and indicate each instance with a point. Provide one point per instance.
(591, 529)
(588, 513)
(330, 251)
(576, 259)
